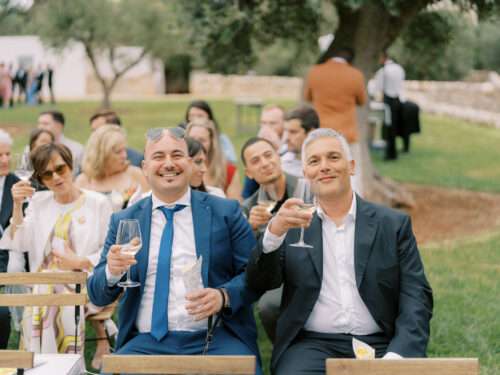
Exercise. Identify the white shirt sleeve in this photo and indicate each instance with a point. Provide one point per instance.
(271, 242)
(110, 279)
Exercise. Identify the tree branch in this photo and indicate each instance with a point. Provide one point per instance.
(126, 68)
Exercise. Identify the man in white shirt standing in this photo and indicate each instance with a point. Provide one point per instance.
(389, 80)
(168, 313)
(54, 122)
(363, 277)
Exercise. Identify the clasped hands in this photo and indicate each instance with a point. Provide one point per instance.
(201, 303)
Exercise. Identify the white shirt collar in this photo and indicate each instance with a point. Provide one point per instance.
(340, 60)
(2, 181)
(350, 215)
(185, 200)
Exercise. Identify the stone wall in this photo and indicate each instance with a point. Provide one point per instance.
(473, 101)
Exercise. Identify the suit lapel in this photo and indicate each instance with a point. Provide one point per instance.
(314, 237)
(144, 217)
(6, 204)
(366, 227)
(202, 224)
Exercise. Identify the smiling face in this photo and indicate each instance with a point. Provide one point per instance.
(262, 163)
(116, 160)
(5, 156)
(60, 182)
(202, 135)
(327, 167)
(167, 167)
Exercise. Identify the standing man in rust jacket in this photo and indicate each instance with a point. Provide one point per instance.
(335, 88)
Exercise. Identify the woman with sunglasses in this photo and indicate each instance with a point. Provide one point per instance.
(64, 230)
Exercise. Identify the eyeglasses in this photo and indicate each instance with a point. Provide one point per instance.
(156, 133)
(60, 169)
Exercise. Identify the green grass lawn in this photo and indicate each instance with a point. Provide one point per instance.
(450, 153)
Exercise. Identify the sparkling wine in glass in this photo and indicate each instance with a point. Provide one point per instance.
(267, 197)
(130, 239)
(23, 168)
(305, 192)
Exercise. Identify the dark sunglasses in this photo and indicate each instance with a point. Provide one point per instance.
(61, 170)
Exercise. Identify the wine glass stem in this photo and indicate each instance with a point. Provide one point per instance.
(301, 235)
(129, 280)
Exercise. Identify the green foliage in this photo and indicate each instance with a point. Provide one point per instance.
(437, 45)
(488, 45)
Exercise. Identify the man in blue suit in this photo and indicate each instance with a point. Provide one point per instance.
(178, 226)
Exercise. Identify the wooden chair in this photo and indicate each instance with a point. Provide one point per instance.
(20, 359)
(421, 366)
(179, 364)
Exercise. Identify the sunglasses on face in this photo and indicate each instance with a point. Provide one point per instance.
(60, 169)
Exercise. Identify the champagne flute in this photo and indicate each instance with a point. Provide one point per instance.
(305, 192)
(23, 168)
(267, 197)
(129, 236)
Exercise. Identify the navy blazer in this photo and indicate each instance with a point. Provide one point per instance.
(5, 215)
(222, 236)
(389, 276)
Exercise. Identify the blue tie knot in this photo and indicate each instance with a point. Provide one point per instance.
(169, 212)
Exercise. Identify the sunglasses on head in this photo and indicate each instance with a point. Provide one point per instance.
(60, 169)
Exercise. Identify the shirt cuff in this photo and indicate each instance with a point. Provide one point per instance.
(271, 242)
(392, 355)
(110, 279)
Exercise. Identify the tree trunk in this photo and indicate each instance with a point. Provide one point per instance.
(369, 30)
(106, 97)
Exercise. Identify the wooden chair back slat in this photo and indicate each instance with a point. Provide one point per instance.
(49, 278)
(179, 364)
(16, 359)
(43, 299)
(422, 366)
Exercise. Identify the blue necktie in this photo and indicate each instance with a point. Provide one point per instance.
(159, 324)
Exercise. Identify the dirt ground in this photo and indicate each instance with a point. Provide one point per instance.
(448, 214)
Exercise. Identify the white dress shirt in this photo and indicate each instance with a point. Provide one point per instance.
(390, 79)
(291, 164)
(337, 309)
(183, 255)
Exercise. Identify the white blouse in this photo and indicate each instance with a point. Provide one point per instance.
(89, 227)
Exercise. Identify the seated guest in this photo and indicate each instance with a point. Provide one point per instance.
(262, 164)
(106, 169)
(7, 179)
(272, 128)
(221, 172)
(199, 156)
(39, 137)
(111, 118)
(64, 229)
(363, 277)
(200, 110)
(298, 123)
(165, 314)
(54, 122)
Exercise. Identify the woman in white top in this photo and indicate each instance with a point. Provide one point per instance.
(106, 168)
(199, 156)
(64, 229)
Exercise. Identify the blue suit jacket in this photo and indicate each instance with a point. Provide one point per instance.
(224, 239)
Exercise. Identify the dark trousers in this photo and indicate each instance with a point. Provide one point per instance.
(393, 129)
(308, 352)
(4, 327)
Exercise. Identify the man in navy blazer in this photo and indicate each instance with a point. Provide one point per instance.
(203, 225)
(7, 179)
(361, 278)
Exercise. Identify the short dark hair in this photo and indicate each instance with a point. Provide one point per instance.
(56, 116)
(346, 53)
(36, 133)
(309, 119)
(40, 158)
(111, 117)
(251, 142)
(194, 146)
